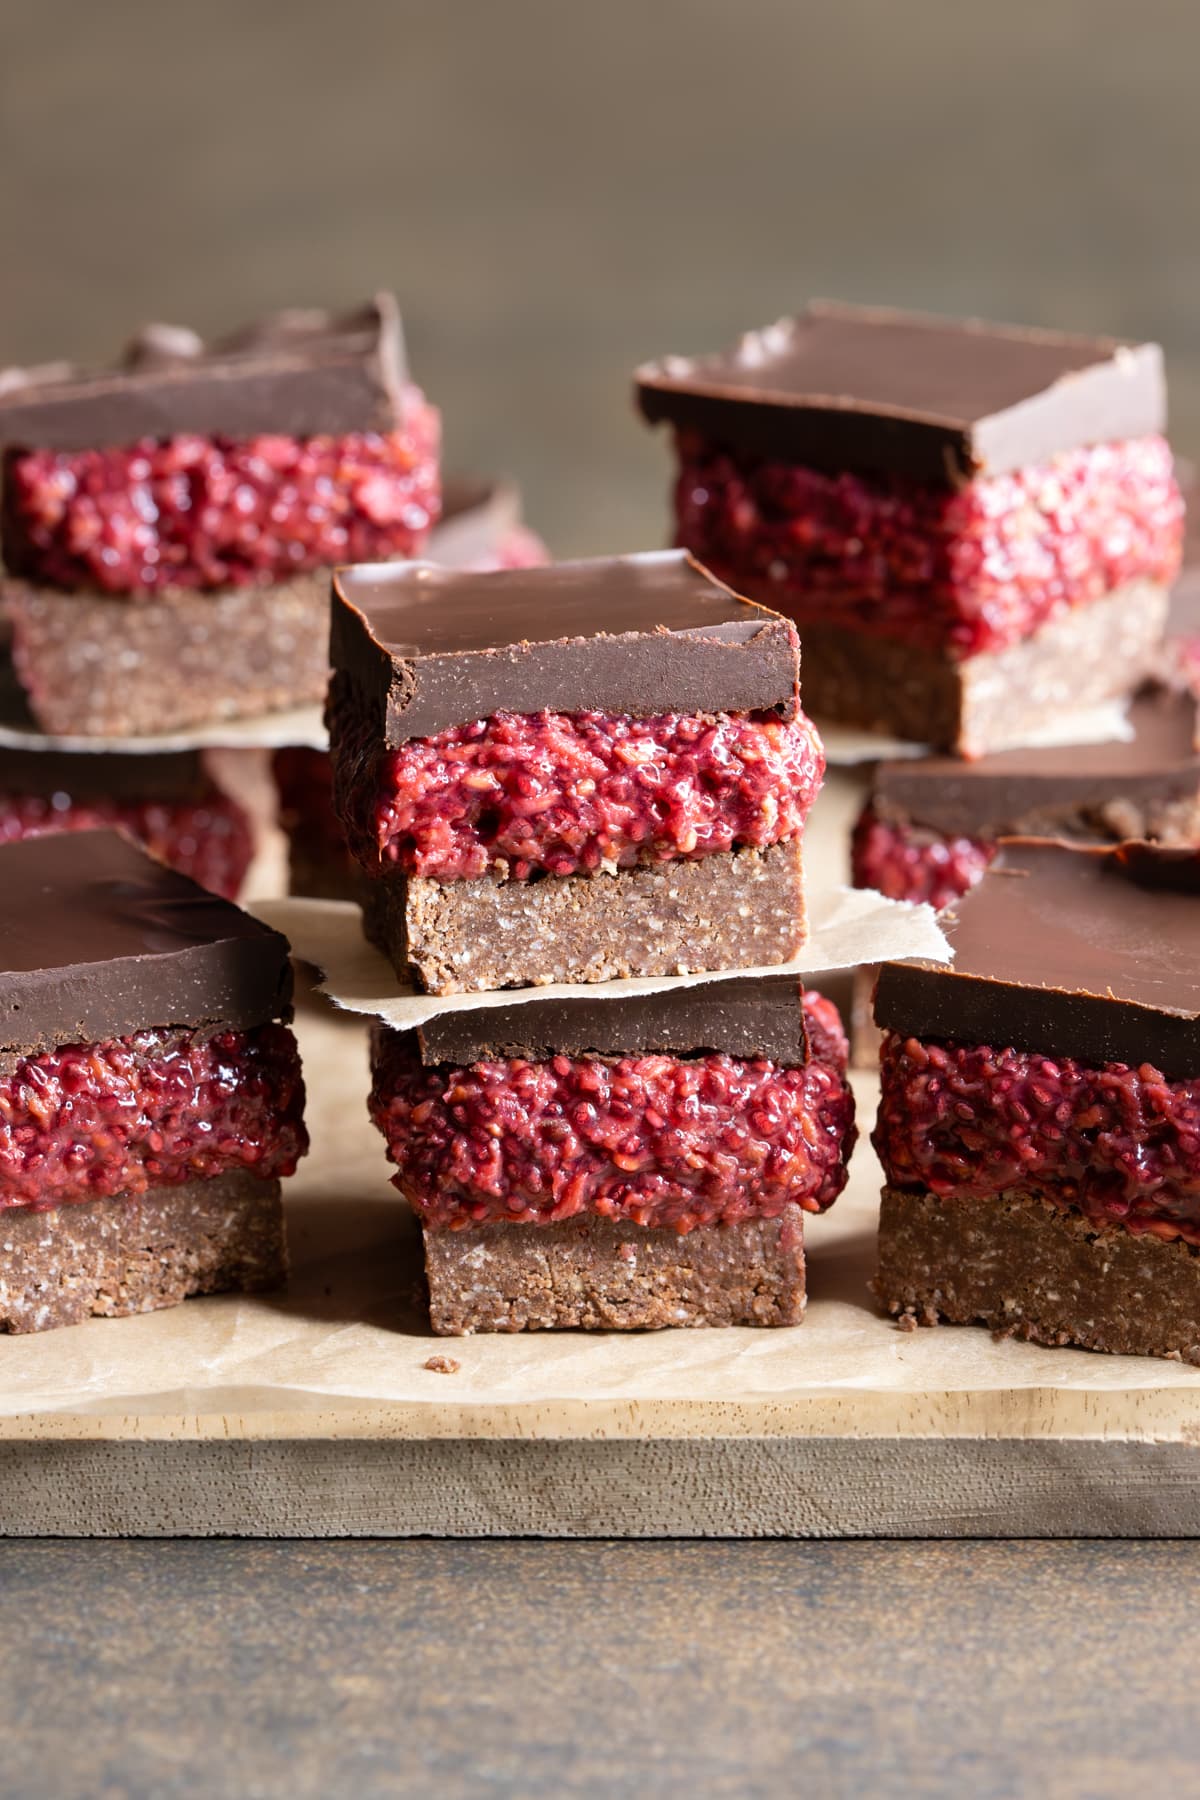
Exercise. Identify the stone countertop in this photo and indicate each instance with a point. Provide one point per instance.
(465, 1668)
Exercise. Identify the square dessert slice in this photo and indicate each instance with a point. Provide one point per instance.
(619, 1164)
(592, 770)
(1039, 1125)
(972, 525)
(150, 1091)
(481, 527)
(171, 804)
(931, 824)
(167, 524)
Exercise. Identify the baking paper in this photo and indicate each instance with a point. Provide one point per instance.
(848, 926)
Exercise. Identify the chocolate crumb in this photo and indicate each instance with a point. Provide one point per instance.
(442, 1365)
(906, 1322)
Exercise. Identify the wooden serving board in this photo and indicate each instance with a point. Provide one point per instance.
(312, 1413)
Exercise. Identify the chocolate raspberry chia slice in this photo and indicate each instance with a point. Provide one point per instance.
(619, 1164)
(168, 524)
(972, 525)
(574, 773)
(151, 1096)
(1039, 1125)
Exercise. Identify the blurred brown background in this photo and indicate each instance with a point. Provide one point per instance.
(558, 190)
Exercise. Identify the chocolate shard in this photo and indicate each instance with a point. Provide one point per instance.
(1066, 950)
(745, 1017)
(865, 388)
(1006, 791)
(432, 648)
(98, 940)
(295, 374)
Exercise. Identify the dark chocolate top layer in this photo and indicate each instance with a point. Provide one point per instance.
(847, 387)
(97, 940)
(744, 1017)
(1066, 951)
(298, 374)
(477, 516)
(131, 776)
(638, 635)
(1027, 790)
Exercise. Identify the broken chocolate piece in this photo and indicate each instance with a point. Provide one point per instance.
(844, 387)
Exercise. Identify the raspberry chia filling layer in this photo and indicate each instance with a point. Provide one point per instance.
(909, 862)
(569, 793)
(209, 838)
(214, 512)
(652, 1139)
(963, 570)
(1119, 1145)
(87, 1121)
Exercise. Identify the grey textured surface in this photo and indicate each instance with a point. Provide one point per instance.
(598, 1669)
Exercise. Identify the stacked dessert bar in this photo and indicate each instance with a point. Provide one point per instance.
(150, 1089)
(168, 525)
(1039, 1126)
(577, 774)
(975, 528)
(481, 528)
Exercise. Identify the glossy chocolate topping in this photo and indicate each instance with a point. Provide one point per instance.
(637, 635)
(744, 1017)
(1066, 951)
(998, 794)
(104, 775)
(295, 374)
(97, 940)
(843, 387)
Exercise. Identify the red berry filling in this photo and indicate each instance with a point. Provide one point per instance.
(564, 793)
(200, 512)
(961, 570)
(1118, 1144)
(209, 838)
(908, 862)
(87, 1121)
(655, 1140)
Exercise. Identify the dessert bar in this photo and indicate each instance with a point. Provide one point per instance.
(973, 526)
(1039, 1125)
(619, 1164)
(167, 524)
(481, 527)
(577, 773)
(171, 804)
(930, 825)
(151, 1097)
